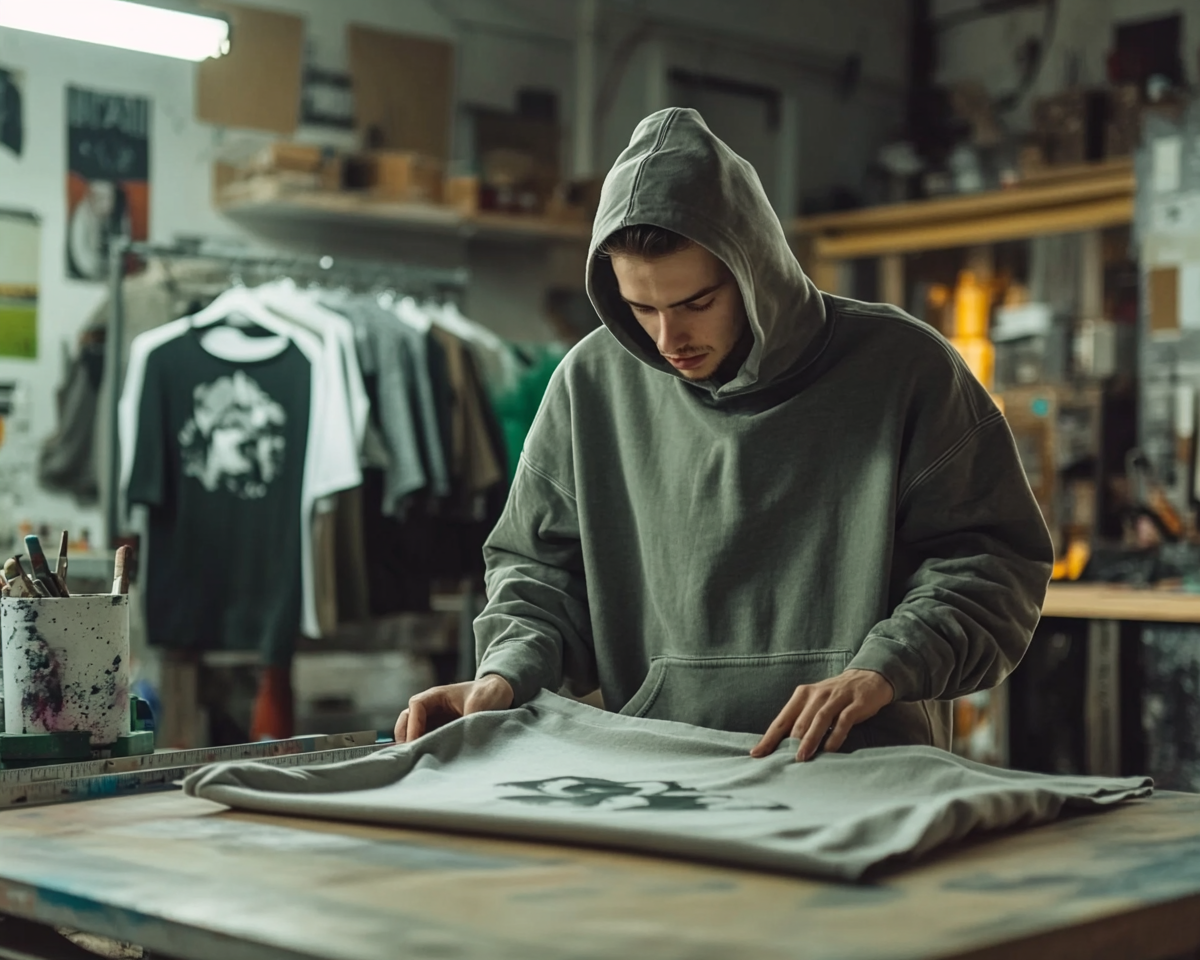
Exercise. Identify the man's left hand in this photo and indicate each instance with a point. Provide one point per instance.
(838, 703)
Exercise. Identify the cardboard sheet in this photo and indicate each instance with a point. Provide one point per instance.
(403, 89)
(257, 85)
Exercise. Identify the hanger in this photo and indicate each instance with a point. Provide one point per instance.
(412, 315)
(243, 302)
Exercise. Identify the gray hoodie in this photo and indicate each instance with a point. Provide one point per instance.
(852, 498)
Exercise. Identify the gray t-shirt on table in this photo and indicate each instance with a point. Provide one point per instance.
(556, 770)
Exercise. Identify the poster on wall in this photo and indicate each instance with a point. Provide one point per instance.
(12, 110)
(20, 250)
(108, 176)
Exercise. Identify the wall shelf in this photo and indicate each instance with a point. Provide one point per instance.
(1093, 601)
(266, 200)
(1064, 200)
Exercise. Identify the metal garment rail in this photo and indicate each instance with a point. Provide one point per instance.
(347, 271)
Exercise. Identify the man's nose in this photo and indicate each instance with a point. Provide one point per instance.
(670, 333)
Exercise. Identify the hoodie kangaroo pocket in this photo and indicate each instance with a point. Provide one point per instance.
(743, 694)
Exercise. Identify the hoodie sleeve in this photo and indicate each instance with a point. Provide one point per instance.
(973, 558)
(535, 630)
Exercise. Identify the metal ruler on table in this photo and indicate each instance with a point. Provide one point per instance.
(91, 779)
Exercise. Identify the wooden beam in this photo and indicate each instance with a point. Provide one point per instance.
(1076, 185)
(1071, 218)
(1106, 602)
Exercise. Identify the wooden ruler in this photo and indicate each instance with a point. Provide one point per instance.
(91, 779)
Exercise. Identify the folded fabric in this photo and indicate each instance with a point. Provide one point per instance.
(557, 770)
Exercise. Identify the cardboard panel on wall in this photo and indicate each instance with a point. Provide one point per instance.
(257, 85)
(403, 89)
(1164, 299)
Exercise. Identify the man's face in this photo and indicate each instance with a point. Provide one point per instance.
(688, 303)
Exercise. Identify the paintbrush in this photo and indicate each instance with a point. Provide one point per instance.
(121, 572)
(60, 571)
(41, 569)
(15, 574)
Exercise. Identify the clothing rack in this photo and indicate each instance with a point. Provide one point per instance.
(346, 271)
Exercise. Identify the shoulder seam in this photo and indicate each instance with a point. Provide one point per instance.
(924, 330)
(534, 468)
(950, 454)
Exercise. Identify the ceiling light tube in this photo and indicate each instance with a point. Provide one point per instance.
(160, 28)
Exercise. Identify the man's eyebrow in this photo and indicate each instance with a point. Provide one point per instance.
(679, 303)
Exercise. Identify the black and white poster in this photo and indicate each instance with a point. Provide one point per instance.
(12, 110)
(108, 176)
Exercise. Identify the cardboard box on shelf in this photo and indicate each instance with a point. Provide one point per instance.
(295, 166)
(575, 201)
(462, 193)
(286, 155)
(405, 175)
(1123, 133)
(1071, 125)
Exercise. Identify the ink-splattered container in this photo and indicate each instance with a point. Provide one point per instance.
(66, 665)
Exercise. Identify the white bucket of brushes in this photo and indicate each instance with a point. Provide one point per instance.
(66, 664)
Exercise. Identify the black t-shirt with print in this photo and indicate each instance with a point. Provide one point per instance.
(219, 460)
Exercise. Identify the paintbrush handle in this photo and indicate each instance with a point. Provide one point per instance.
(41, 569)
(61, 569)
(121, 572)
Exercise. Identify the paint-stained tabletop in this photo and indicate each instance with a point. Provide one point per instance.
(185, 878)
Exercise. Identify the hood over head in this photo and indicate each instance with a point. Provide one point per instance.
(678, 175)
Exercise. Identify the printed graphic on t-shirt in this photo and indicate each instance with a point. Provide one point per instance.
(234, 438)
(639, 795)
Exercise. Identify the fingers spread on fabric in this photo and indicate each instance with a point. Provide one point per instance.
(841, 730)
(779, 726)
(416, 719)
(813, 732)
(831, 707)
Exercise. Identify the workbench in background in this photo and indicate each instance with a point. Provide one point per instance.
(1105, 687)
(179, 877)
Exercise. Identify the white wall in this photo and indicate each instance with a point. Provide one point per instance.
(502, 45)
(20, 248)
(983, 49)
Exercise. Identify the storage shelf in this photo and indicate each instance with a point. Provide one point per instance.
(1086, 601)
(268, 200)
(1088, 197)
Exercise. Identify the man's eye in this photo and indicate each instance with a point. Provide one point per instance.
(641, 308)
(698, 307)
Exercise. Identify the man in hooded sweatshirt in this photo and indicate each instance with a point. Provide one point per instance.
(746, 504)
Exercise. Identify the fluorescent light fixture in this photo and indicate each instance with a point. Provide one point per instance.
(147, 28)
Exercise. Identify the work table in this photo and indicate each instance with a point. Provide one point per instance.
(1104, 601)
(187, 878)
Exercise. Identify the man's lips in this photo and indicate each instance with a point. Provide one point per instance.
(687, 363)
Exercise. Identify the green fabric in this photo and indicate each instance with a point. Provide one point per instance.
(517, 408)
(852, 498)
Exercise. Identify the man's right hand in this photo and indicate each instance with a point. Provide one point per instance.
(437, 706)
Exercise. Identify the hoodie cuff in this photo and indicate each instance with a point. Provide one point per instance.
(521, 667)
(898, 663)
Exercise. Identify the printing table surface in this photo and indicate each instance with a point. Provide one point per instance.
(185, 878)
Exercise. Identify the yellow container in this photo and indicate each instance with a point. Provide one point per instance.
(980, 357)
(972, 302)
